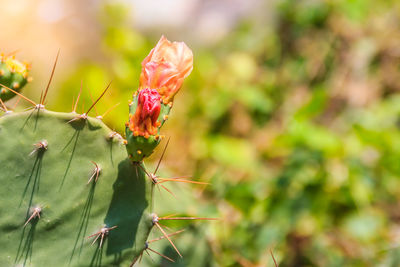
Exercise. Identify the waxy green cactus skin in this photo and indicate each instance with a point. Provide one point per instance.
(56, 180)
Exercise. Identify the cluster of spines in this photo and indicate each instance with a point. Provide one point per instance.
(156, 180)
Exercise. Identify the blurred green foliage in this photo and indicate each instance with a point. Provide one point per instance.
(294, 124)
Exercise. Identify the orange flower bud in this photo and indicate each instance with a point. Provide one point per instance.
(144, 121)
(165, 68)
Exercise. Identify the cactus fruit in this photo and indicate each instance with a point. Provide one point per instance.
(13, 74)
(146, 116)
(71, 196)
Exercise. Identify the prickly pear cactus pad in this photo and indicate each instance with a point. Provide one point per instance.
(13, 74)
(46, 163)
(76, 193)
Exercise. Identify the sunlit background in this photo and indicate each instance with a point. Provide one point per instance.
(291, 113)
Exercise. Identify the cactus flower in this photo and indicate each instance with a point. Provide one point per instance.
(14, 65)
(165, 68)
(144, 121)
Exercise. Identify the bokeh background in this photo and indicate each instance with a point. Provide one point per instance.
(292, 114)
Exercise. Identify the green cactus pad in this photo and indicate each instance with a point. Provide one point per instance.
(13, 74)
(54, 177)
(139, 147)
